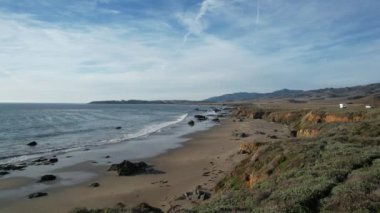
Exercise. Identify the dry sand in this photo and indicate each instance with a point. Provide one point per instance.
(213, 151)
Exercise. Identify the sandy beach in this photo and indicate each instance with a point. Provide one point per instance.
(206, 158)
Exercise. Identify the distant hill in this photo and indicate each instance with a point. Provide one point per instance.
(351, 93)
(145, 102)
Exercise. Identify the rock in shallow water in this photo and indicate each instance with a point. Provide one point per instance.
(191, 123)
(37, 194)
(47, 178)
(33, 143)
(200, 117)
(3, 173)
(53, 160)
(216, 120)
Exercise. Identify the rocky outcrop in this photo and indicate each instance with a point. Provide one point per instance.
(127, 168)
(249, 148)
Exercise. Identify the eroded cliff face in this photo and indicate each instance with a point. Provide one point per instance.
(303, 123)
(307, 133)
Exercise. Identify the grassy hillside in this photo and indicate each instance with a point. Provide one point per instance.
(368, 93)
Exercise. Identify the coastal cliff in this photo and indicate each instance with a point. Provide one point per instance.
(331, 163)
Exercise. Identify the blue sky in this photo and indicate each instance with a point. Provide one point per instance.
(83, 50)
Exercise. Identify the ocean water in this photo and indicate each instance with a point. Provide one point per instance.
(60, 128)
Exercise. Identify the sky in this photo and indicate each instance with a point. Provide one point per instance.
(84, 50)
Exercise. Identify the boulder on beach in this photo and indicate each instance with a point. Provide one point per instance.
(126, 168)
(200, 117)
(243, 135)
(94, 185)
(191, 123)
(197, 194)
(47, 178)
(33, 143)
(37, 194)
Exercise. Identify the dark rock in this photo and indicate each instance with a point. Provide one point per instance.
(146, 208)
(217, 110)
(293, 133)
(197, 194)
(47, 178)
(244, 135)
(120, 205)
(216, 120)
(272, 136)
(33, 143)
(94, 185)
(258, 115)
(11, 167)
(119, 127)
(2, 173)
(53, 160)
(191, 123)
(206, 174)
(41, 159)
(200, 117)
(113, 167)
(260, 133)
(107, 156)
(37, 194)
(126, 168)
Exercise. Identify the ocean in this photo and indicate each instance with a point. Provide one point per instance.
(62, 128)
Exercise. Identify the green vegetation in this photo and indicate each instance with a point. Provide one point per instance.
(141, 208)
(336, 171)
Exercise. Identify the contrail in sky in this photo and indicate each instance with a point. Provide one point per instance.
(202, 11)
